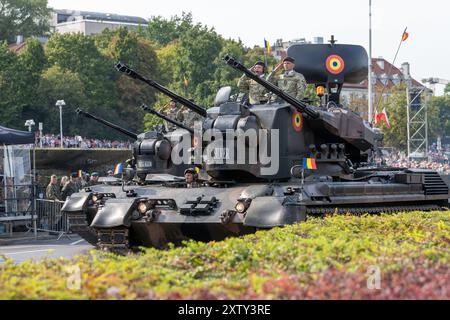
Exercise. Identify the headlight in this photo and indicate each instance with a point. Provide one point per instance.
(142, 208)
(240, 207)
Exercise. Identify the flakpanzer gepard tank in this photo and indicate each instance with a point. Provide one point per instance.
(265, 165)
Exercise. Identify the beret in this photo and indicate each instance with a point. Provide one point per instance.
(190, 170)
(260, 63)
(289, 59)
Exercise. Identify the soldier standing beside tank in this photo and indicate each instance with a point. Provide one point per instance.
(257, 94)
(71, 186)
(290, 81)
(53, 192)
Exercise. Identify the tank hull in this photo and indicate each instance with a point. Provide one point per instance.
(176, 214)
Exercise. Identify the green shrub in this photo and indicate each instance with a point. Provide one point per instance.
(315, 259)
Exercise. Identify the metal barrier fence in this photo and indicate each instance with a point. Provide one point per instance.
(50, 218)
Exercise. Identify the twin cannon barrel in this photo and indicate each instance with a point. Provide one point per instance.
(188, 104)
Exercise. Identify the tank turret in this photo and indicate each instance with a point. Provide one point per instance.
(151, 150)
(339, 139)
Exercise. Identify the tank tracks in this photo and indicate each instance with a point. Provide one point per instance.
(79, 225)
(114, 240)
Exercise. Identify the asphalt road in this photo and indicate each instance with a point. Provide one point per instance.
(39, 249)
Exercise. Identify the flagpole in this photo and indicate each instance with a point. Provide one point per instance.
(265, 49)
(369, 76)
(392, 66)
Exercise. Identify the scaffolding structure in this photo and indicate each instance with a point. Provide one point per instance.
(417, 122)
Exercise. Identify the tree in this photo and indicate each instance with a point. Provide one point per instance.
(139, 53)
(162, 31)
(193, 65)
(31, 63)
(395, 104)
(23, 17)
(59, 84)
(10, 109)
(79, 54)
(442, 105)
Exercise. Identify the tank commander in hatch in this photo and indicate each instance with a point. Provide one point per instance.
(257, 94)
(290, 81)
(191, 177)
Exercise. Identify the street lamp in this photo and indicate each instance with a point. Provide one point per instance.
(29, 123)
(60, 104)
(41, 127)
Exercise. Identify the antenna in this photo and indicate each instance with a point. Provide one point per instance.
(332, 41)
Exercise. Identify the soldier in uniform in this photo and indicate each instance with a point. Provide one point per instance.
(290, 81)
(188, 117)
(191, 177)
(94, 180)
(71, 186)
(174, 113)
(257, 94)
(53, 192)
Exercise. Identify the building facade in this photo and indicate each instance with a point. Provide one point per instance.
(88, 23)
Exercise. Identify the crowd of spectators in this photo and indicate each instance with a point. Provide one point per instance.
(54, 141)
(437, 159)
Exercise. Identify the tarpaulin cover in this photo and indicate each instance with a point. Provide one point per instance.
(13, 137)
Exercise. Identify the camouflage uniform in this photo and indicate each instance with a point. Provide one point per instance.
(194, 184)
(174, 114)
(291, 82)
(53, 192)
(91, 183)
(188, 117)
(257, 94)
(70, 188)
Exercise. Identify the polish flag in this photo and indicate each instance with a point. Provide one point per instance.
(376, 117)
(383, 117)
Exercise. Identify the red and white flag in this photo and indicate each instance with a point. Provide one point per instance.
(376, 117)
(383, 117)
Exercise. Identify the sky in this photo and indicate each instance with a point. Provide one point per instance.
(428, 22)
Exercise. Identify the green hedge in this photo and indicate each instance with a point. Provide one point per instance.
(322, 258)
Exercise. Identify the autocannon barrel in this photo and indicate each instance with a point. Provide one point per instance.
(164, 117)
(299, 105)
(133, 74)
(108, 124)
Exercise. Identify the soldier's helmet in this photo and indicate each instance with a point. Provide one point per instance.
(192, 171)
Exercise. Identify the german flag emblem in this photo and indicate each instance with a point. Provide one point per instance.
(335, 64)
(297, 121)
